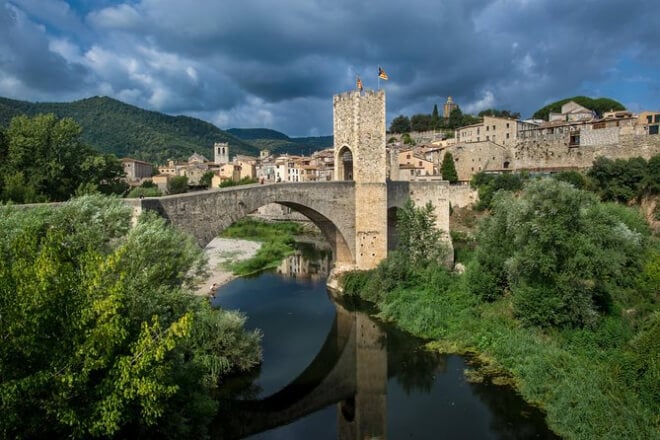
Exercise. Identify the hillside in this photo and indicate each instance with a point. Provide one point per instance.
(280, 143)
(600, 105)
(111, 126)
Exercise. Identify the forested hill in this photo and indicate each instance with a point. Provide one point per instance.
(111, 126)
(599, 105)
(278, 142)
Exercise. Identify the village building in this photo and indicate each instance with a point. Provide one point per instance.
(136, 170)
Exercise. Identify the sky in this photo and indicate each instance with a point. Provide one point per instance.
(277, 64)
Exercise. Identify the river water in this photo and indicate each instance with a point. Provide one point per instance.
(330, 371)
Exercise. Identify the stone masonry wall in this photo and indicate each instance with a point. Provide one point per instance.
(556, 153)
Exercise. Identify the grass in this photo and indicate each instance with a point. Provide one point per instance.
(277, 239)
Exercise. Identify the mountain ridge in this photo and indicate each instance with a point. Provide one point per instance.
(113, 126)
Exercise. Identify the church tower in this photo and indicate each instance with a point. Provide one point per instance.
(221, 153)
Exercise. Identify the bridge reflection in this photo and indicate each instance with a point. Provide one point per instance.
(350, 371)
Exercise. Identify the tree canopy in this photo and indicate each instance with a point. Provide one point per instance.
(560, 253)
(599, 105)
(448, 169)
(46, 160)
(101, 335)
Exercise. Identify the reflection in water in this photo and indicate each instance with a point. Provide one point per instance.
(307, 261)
(367, 380)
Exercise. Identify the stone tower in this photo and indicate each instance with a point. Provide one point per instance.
(221, 153)
(449, 107)
(360, 156)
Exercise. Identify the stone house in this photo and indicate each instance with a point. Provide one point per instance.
(502, 131)
(572, 112)
(136, 170)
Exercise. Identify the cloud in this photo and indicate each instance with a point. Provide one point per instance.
(255, 63)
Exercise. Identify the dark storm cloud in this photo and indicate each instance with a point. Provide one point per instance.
(26, 57)
(264, 63)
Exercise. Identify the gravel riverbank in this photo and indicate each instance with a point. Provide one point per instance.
(220, 252)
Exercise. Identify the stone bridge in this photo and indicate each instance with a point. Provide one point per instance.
(331, 206)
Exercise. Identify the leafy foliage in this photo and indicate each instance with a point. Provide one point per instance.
(46, 160)
(448, 169)
(622, 180)
(599, 105)
(417, 236)
(113, 127)
(177, 185)
(400, 124)
(499, 113)
(560, 253)
(100, 336)
(488, 185)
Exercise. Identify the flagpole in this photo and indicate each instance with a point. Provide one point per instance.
(378, 77)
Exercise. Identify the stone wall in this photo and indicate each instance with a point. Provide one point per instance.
(556, 153)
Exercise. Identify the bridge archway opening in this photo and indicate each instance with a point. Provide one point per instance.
(392, 224)
(345, 163)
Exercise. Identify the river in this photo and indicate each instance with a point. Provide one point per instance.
(330, 371)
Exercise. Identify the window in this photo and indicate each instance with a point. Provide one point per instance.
(487, 138)
(487, 127)
(656, 118)
(420, 163)
(507, 125)
(649, 119)
(653, 129)
(507, 135)
(407, 156)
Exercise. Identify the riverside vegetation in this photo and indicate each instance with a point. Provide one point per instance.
(559, 297)
(277, 243)
(101, 334)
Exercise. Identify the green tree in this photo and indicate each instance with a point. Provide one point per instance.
(575, 178)
(499, 113)
(418, 239)
(435, 118)
(206, 179)
(48, 158)
(560, 252)
(101, 336)
(620, 179)
(177, 185)
(400, 124)
(421, 122)
(448, 169)
(651, 181)
(488, 185)
(406, 139)
(599, 105)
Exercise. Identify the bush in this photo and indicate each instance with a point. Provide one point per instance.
(560, 253)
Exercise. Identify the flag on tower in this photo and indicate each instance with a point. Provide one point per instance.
(359, 83)
(382, 74)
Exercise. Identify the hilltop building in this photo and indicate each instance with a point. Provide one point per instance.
(449, 107)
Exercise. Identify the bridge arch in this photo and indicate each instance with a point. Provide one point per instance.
(204, 214)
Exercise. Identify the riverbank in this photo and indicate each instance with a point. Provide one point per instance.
(222, 253)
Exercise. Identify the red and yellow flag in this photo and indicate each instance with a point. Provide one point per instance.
(359, 83)
(382, 74)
